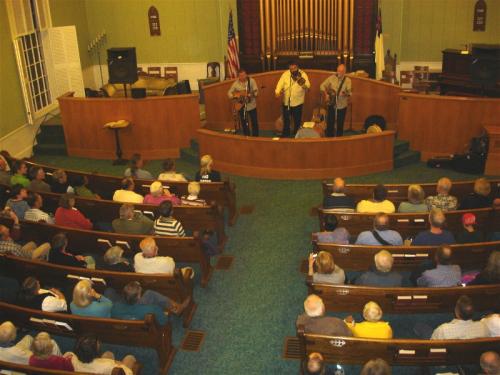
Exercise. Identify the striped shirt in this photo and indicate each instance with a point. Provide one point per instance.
(168, 226)
(35, 214)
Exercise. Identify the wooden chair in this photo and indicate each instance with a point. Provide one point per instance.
(390, 62)
(176, 287)
(142, 333)
(411, 224)
(213, 70)
(31, 370)
(421, 78)
(223, 193)
(154, 71)
(182, 249)
(171, 72)
(396, 352)
(360, 257)
(139, 70)
(406, 78)
(407, 300)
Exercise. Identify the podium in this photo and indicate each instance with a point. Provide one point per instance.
(493, 161)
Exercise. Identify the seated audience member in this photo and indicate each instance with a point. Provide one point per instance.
(148, 260)
(469, 234)
(168, 172)
(480, 198)
(127, 194)
(166, 225)
(158, 194)
(8, 244)
(326, 270)
(87, 302)
(19, 171)
(445, 274)
(192, 198)
(60, 182)
(338, 201)
(376, 367)
(86, 357)
(35, 212)
(491, 273)
(379, 203)
(134, 304)
(5, 176)
(81, 189)
(382, 275)
(492, 324)
(114, 260)
(67, 215)
(60, 255)
(315, 365)
(372, 327)
(132, 222)
(436, 235)
(18, 202)
(43, 349)
(462, 327)
(37, 175)
(443, 200)
(315, 321)
(490, 363)
(33, 296)
(416, 201)
(19, 353)
(206, 173)
(381, 234)
(332, 234)
(135, 170)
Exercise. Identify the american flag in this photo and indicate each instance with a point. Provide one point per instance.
(233, 62)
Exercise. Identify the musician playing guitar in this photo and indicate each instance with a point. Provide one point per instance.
(243, 93)
(336, 91)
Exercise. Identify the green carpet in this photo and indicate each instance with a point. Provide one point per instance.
(247, 311)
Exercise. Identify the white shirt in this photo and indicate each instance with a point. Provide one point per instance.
(459, 329)
(154, 265)
(171, 176)
(127, 196)
(102, 366)
(290, 87)
(53, 303)
(35, 214)
(19, 353)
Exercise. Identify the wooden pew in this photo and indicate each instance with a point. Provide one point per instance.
(31, 370)
(192, 218)
(175, 287)
(141, 333)
(223, 193)
(182, 249)
(411, 224)
(396, 352)
(416, 300)
(398, 193)
(360, 257)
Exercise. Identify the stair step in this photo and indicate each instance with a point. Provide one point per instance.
(50, 149)
(47, 138)
(406, 158)
(400, 147)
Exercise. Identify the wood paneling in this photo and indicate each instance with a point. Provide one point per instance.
(296, 159)
(159, 125)
(369, 97)
(443, 125)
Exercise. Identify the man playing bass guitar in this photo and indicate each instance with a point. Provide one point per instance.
(243, 93)
(336, 91)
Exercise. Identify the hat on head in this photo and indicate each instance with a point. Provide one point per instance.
(468, 219)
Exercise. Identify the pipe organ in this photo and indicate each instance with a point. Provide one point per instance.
(321, 33)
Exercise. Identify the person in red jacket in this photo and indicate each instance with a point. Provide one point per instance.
(69, 216)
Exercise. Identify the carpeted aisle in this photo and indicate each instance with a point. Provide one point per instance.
(247, 310)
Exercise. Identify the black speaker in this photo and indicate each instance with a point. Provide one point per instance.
(485, 71)
(138, 93)
(183, 87)
(122, 65)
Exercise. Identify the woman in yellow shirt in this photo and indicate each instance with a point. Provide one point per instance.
(372, 327)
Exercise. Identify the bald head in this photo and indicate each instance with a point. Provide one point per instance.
(383, 261)
(490, 363)
(443, 255)
(381, 221)
(314, 306)
(443, 186)
(7, 332)
(338, 185)
(148, 247)
(341, 70)
(4, 232)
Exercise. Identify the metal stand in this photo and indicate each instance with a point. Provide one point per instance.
(119, 160)
(125, 89)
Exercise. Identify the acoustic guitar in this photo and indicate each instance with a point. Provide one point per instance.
(331, 100)
(240, 98)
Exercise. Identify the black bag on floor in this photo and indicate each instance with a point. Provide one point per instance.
(469, 163)
(443, 162)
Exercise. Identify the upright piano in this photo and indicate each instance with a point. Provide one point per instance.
(472, 73)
